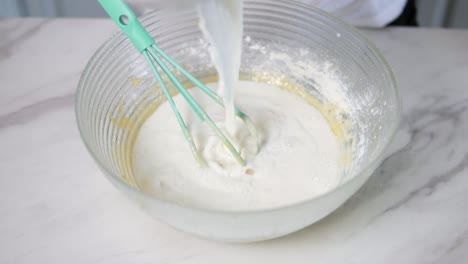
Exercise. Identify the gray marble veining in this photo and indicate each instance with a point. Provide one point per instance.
(55, 206)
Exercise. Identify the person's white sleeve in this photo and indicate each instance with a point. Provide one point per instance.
(362, 13)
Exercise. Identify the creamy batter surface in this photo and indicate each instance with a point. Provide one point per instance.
(298, 158)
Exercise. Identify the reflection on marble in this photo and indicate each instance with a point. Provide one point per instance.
(55, 206)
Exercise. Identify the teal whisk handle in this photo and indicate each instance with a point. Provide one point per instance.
(124, 17)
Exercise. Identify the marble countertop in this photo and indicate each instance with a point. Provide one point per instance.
(56, 207)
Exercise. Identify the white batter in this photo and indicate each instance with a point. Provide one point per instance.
(299, 156)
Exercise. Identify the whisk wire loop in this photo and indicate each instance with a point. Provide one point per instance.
(192, 103)
(248, 122)
(180, 120)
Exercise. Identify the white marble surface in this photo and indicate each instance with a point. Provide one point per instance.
(56, 207)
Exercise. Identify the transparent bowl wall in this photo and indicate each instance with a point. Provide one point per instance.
(118, 91)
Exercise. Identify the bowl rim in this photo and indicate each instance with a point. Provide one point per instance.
(368, 168)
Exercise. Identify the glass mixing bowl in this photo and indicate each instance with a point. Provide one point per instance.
(302, 49)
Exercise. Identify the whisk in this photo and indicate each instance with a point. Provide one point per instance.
(126, 19)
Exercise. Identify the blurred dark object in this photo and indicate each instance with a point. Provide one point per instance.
(408, 16)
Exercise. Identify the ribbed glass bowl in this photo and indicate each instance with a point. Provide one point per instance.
(304, 50)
